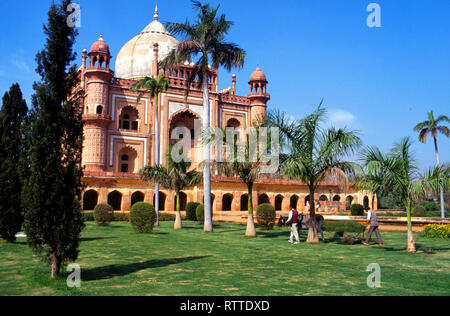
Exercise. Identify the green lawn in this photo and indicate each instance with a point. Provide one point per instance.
(116, 261)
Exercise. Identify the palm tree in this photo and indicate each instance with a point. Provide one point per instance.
(248, 170)
(431, 126)
(397, 171)
(154, 88)
(314, 154)
(176, 178)
(205, 40)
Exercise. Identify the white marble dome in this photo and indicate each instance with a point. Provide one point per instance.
(135, 59)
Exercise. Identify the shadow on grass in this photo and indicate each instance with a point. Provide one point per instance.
(115, 270)
(96, 238)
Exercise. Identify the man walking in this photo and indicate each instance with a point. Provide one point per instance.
(293, 218)
(373, 221)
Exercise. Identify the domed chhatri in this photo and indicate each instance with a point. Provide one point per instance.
(135, 59)
(100, 46)
(258, 75)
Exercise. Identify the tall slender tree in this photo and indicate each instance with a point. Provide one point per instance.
(12, 117)
(205, 41)
(51, 193)
(154, 87)
(314, 154)
(432, 126)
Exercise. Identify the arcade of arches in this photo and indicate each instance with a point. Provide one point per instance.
(232, 198)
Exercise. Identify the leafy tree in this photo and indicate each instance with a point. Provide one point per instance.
(431, 126)
(314, 154)
(154, 87)
(12, 117)
(176, 178)
(50, 195)
(398, 171)
(205, 40)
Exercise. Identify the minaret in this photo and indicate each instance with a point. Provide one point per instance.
(96, 115)
(258, 95)
(156, 13)
(233, 82)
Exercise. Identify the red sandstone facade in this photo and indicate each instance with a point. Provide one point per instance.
(120, 131)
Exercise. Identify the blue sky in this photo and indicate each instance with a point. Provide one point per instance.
(380, 81)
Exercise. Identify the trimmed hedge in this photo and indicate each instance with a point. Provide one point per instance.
(191, 211)
(357, 210)
(165, 217)
(437, 231)
(143, 217)
(200, 212)
(88, 217)
(266, 216)
(343, 227)
(419, 211)
(103, 214)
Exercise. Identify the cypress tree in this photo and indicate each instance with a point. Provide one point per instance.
(51, 193)
(12, 115)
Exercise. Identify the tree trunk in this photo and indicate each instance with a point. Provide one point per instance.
(251, 230)
(411, 244)
(178, 224)
(157, 160)
(313, 237)
(207, 158)
(442, 189)
(56, 265)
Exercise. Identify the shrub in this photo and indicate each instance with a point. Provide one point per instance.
(357, 210)
(437, 231)
(191, 211)
(164, 217)
(429, 206)
(266, 215)
(103, 214)
(419, 211)
(343, 227)
(142, 217)
(200, 212)
(121, 217)
(88, 217)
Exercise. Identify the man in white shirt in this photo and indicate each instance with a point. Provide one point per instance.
(293, 216)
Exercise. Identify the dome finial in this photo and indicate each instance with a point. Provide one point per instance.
(156, 13)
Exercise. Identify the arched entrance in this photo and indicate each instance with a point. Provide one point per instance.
(336, 198)
(90, 200)
(263, 199)
(279, 203)
(349, 202)
(293, 203)
(115, 200)
(244, 203)
(366, 203)
(137, 197)
(227, 201)
(323, 198)
(183, 202)
(162, 201)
